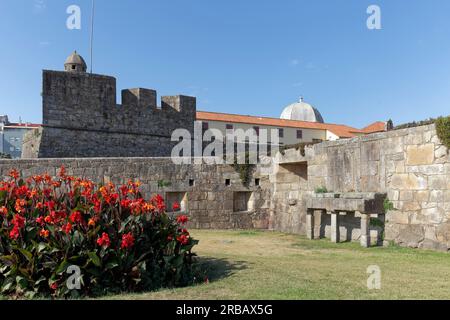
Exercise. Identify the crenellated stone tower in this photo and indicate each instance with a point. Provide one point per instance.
(81, 117)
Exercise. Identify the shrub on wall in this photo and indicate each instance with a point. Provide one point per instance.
(443, 130)
(320, 190)
(53, 229)
(415, 124)
(245, 169)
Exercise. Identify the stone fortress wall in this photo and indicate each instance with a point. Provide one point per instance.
(411, 165)
(82, 119)
(212, 195)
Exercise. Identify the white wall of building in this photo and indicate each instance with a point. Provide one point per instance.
(290, 134)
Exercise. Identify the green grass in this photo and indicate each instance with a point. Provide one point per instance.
(266, 265)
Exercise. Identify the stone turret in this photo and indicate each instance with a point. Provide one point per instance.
(75, 63)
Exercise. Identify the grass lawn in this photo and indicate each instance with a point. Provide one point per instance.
(266, 265)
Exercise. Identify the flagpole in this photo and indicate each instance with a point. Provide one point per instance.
(92, 33)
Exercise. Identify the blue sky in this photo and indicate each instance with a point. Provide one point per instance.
(247, 57)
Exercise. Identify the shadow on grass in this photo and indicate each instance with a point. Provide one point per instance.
(217, 269)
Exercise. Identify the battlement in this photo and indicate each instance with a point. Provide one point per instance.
(146, 98)
(81, 100)
(139, 97)
(77, 104)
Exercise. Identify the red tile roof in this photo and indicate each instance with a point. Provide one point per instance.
(342, 131)
(375, 127)
(23, 125)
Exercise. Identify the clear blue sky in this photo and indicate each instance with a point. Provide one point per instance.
(247, 57)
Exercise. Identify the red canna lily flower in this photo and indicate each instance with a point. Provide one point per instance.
(183, 239)
(176, 206)
(40, 221)
(14, 233)
(67, 228)
(127, 241)
(18, 221)
(104, 241)
(92, 222)
(76, 217)
(49, 220)
(62, 172)
(44, 233)
(14, 174)
(50, 204)
(182, 219)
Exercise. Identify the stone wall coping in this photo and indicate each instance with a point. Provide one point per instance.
(79, 74)
(347, 141)
(349, 195)
(9, 161)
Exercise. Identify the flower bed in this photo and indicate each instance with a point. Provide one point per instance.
(69, 237)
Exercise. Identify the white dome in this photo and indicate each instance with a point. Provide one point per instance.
(302, 111)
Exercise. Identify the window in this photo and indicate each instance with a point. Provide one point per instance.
(11, 139)
(17, 149)
(227, 182)
(281, 133)
(17, 139)
(256, 130)
(257, 182)
(73, 67)
(191, 182)
(11, 149)
(205, 127)
(229, 127)
(299, 134)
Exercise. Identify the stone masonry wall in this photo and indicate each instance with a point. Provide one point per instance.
(410, 165)
(208, 200)
(82, 119)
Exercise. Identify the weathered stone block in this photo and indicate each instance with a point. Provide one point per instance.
(434, 215)
(392, 231)
(410, 206)
(393, 145)
(437, 196)
(411, 235)
(393, 195)
(441, 152)
(433, 245)
(400, 166)
(414, 139)
(406, 195)
(409, 181)
(396, 216)
(421, 196)
(420, 154)
(437, 182)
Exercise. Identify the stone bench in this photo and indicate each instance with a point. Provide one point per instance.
(364, 204)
